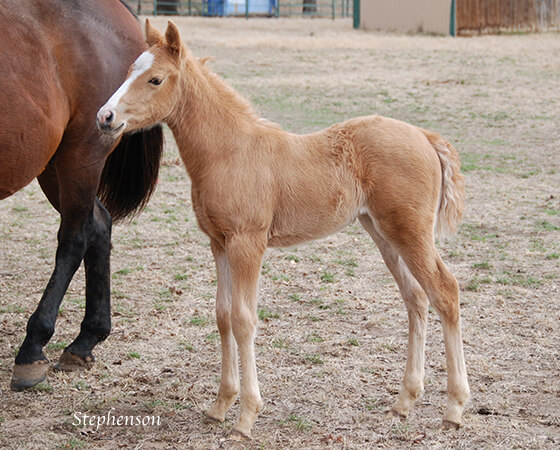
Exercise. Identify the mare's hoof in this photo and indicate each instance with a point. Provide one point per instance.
(69, 362)
(25, 376)
(449, 425)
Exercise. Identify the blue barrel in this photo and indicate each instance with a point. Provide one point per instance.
(213, 7)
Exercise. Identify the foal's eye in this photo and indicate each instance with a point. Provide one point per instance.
(155, 81)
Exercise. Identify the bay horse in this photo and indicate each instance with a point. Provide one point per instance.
(255, 186)
(59, 61)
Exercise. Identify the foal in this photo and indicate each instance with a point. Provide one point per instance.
(255, 185)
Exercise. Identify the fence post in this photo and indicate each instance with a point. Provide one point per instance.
(356, 14)
(155, 7)
(246, 9)
(452, 20)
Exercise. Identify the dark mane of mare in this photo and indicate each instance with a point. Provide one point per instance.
(61, 60)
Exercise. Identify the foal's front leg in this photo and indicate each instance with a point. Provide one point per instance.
(229, 382)
(244, 253)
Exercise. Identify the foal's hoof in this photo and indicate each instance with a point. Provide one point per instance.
(449, 425)
(394, 413)
(25, 376)
(239, 435)
(69, 362)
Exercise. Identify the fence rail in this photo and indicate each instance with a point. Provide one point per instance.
(305, 8)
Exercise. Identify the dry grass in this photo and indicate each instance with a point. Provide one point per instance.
(332, 339)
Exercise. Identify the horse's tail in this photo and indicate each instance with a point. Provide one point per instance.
(452, 197)
(131, 171)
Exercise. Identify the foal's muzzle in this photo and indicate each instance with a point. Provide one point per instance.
(106, 122)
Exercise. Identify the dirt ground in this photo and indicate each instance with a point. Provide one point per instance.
(331, 344)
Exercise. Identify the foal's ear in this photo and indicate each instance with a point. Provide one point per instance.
(153, 36)
(173, 38)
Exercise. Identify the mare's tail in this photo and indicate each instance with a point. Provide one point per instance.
(131, 171)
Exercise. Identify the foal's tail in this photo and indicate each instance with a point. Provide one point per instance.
(452, 198)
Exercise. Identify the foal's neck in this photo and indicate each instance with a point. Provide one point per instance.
(210, 120)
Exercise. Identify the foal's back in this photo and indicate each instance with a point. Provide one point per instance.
(325, 180)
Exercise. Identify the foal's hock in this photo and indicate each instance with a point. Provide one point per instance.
(255, 185)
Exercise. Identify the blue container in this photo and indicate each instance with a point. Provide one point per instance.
(213, 7)
(239, 7)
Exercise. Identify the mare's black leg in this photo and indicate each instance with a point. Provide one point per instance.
(96, 325)
(31, 364)
(84, 230)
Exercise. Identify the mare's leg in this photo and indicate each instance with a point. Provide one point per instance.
(417, 307)
(229, 381)
(244, 253)
(72, 193)
(415, 245)
(96, 325)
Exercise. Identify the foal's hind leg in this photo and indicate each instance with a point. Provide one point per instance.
(229, 381)
(417, 307)
(416, 247)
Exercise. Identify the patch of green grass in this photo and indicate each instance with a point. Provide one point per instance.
(315, 337)
(526, 281)
(281, 277)
(185, 346)
(12, 309)
(157, 403)
(265, 314)
(354, 342)
(57, 345)
(279, 343)
(372, 404)
(42, 387)
(327, 277)
(292, 258)
(134, 355)
(295, 297)
(314, 359)
(552, 211)
(552, 256)
(389, 348)
(199, 321)
(299, 423)
(81, 385)
(482, 265)
(212, 337)
(549, 226)
(180, 276)
(318, 302)
(72, 443)
(265, 269)
(124, 271)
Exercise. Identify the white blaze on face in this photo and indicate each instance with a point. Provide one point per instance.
(141, 65)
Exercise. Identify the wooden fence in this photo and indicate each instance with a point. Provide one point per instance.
(488, 16)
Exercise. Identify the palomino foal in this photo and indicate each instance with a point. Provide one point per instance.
(255, 185)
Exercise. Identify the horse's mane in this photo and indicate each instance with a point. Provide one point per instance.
(235, 99)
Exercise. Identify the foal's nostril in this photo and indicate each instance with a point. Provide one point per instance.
(109, 117)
